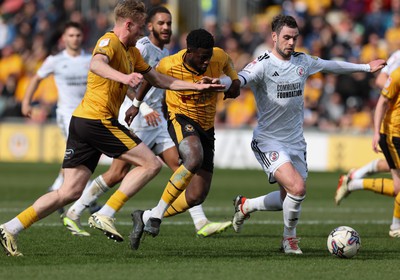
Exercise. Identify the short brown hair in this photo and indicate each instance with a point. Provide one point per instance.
(283, 20)
(130, 9)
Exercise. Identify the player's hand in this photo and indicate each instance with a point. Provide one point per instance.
(375, 143)
(26, 109)
(130, 114)
(377, 65)
(153, 118)
(209, 80)
(210, 87)
(133, 80)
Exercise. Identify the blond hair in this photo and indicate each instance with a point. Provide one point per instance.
(130, 9)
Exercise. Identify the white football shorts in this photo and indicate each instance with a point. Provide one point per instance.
(157, 139)
(273, 155)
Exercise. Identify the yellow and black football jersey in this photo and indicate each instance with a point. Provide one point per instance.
(391, 122)
(103, 97)
(199, 106)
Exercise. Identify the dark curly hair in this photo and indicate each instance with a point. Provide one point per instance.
(200, 38)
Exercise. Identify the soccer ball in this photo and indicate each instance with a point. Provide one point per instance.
(344, 242)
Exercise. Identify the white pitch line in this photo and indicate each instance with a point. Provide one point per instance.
(257, 222)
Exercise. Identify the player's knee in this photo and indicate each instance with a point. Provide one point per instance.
(191, 153)
(297, 189)
(193, 163)
(154, 166)
(70, 196)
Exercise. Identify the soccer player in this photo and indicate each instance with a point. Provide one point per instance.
(94, 129)
(353, 180)
(150, 126)
(191, 126)
(277, 79)
(70, 68)
(386, 138)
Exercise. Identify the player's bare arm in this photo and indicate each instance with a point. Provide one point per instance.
(381, 79)
(380, 110)
(26, 108)
(166, 82)
(99, 65)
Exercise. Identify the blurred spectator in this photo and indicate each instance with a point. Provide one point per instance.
(392, 34)
(239, 57)
(241, 112)
(373, 49)
(249, 39)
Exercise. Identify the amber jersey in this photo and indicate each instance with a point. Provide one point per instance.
(199, 106)
(391, 121)
(103, 97)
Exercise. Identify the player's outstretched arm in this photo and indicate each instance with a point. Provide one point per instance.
(99, 65)
(166, 82)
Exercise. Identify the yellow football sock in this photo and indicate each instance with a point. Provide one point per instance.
(380, 185)
(180, 205)
(177, 184)
(117, 200)
(396, 212)
(28, 217)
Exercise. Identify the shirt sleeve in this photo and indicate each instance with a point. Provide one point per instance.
(106, 46)
(252, 73)
(47, 67)
(338, 67)
(392, 85)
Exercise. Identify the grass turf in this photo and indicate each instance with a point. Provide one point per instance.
(51, 252)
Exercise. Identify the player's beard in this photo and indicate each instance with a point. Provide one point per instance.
(285, 55)
(158, 37)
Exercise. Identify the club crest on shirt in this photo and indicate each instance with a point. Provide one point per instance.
(104, 42)
(189, 128)
(300, 71)
(273, 156)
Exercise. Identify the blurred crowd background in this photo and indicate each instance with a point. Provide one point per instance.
(350, 30)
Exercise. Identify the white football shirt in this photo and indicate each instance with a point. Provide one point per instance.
(392, 63)
(70, 75)
(278, 87)
(154, 98)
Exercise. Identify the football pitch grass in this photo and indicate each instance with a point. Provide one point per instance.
(51, 252)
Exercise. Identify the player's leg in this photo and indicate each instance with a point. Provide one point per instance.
(186, 136)
(72, 187)
(169, 154)
(146, 167)
(63, 121)
(350, 183)
(192, 156)
(372, 167)
(291, 180)
(244, 206)
(100, 185)
(346, 186)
